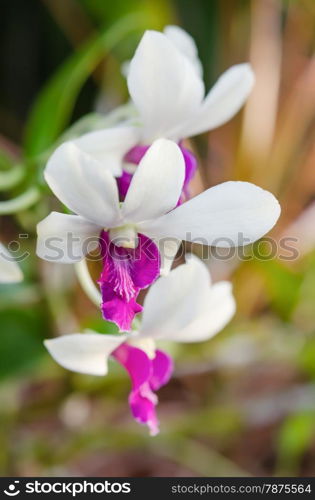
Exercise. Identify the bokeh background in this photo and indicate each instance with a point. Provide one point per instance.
(240, 404)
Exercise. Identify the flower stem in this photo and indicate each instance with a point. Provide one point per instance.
(87, 283)
(21, 202)
(11, 178)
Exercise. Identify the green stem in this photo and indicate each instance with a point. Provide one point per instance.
(11, 178)
(21, 202)
(87, 283)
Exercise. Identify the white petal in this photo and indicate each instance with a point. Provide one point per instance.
(220, 310)
(176, 300)
(186, 44)
(83, 185)
(223, 101)
(183, 42)
(66, 238)
(84, 352)
(184, 307)
(9, 269)
(227, 215)
(109, 146)
(163, 85)
(157, 183)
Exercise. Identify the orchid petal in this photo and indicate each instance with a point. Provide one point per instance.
(220, 310)
(176, 300)
(157, 183)
(142, 400)
(9, 269)
(229, 214)
(183, 307)
(146, 376)
(66, 238)
(163, 85)
(83, 185)
(163, 368)
(109, 146)
(84, 353)
(186, 44)
(223, 101)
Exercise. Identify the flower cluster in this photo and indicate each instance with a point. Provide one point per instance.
(127, 189)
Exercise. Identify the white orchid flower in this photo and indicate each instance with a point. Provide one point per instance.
(229, 214)
(166, 87)
(182, 307)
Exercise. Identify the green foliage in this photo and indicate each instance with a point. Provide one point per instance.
(306, 358)
(53, 108)
(100, 325)
(22, 331)
(156, 13)
(283, 285)
(293, 440)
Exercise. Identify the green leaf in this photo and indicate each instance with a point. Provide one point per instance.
(53, 108)
(294, 438)
(97, 121)
(157, 14)
(283, 285)
(21, 340)
(306, 357)
(99, 325)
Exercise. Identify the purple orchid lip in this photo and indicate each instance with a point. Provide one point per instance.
(147, 375)
(136, 154)
(123, 183)
(126, 271)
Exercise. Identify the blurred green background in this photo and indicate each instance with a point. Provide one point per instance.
(240, 404)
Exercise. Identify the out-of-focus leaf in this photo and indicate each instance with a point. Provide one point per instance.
(283, 285)
(100, 325)
(306, 358)
(11, 173)
(293, 441)
(96, 121)
(5, 161)
(156, 13)
(10, 178)
(54, 106)
(21, 340)
(221, 423)
(20, 294)
(203, 23)
(304, 313)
